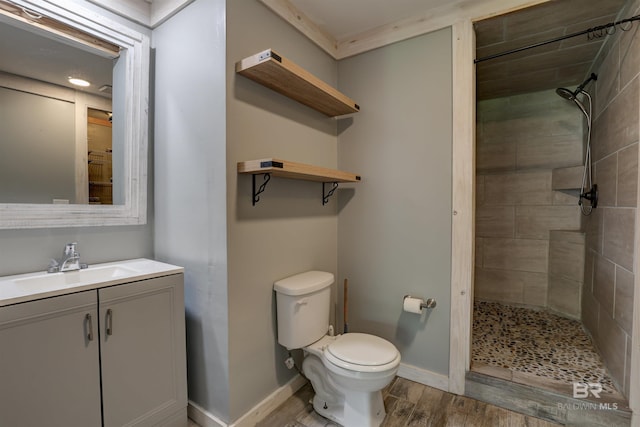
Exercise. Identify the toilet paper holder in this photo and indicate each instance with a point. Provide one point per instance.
(429, 303)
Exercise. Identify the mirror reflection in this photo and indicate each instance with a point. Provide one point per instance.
(55, 134)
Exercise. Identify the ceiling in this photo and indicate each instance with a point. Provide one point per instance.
(343, 19)
(348, 27)
(341, 28)
(32, 55)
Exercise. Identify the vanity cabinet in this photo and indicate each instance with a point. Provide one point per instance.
(49, 367)
(109, 357)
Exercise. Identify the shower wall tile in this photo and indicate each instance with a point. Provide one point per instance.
(564, 296)
(593, 225)
(524, 23)
(521, 139)
(529, 188)
(557, 121)
(611, 227)
(550, 151)
(479, 190)
(604, 283)
(516, 254)
(627, 186)
(566, 257)
(509, 286)
(478, 251)
(589, 259)
(566, 272)
(619, 232)
(538, 102)
(623, 309)
(492, 81)
(577, 54)
(573, 237)
(535, 222)
(490, 105)
(534, 292)
(617, 126)
(499, 285)
(607, 84)
(629, 56)
(590, 315)
(565, 198)
(605, 175)
(525, 106)
(612, 345)
(495, 156)
(495, 221)
(627, 369)
(489, 71)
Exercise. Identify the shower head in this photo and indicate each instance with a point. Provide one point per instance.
(566, 93)
(593, 76)
(572, 95)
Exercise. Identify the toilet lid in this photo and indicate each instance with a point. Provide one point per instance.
(363, 349)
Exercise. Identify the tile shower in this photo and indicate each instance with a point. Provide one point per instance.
(534, 249)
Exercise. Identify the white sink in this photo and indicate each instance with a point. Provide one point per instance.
(31, 286)
(67, 278)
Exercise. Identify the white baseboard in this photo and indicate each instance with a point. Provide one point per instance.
(271, 402)
(256, 414)
(275, 399)
(422, 376)
(202, 417)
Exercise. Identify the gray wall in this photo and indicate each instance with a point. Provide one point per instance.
(288, 231)
(395, 227)
(37, 148)
(190, 187)
(30, 250)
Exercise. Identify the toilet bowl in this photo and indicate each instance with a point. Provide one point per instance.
(347, 371)
(355, 367)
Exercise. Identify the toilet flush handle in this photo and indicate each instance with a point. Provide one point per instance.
(302, 301)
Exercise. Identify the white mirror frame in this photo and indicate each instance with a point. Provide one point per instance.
(134, 210)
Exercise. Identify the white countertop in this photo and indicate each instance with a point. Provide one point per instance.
(31, 286)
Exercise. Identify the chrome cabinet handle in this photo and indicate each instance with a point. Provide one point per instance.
(109, 322)
(89, 321)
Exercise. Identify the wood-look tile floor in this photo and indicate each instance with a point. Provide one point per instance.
(408, 404)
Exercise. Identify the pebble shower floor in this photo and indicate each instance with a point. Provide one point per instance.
(536, 342)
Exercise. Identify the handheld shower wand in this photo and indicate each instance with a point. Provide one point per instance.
(592, 194)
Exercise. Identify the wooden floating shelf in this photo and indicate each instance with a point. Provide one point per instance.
(286, 169)
(277, 73)
(292, 170)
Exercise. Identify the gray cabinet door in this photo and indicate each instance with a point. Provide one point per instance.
(49, 365)
(143, 351)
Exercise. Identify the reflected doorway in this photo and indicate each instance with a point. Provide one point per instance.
(99, 159)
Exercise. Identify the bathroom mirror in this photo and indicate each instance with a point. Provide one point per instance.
(71, 156)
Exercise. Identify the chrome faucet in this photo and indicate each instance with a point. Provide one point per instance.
(70, 260)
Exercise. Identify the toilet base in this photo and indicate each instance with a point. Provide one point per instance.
(350, 409)
(359, 410)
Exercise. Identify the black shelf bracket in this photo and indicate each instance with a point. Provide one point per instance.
(326, 194)
(256, 193)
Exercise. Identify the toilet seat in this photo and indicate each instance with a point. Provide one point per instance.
(362, 353)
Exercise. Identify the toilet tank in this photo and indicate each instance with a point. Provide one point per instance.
(303, 308)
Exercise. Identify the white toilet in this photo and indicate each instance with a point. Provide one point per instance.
(347, 371)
